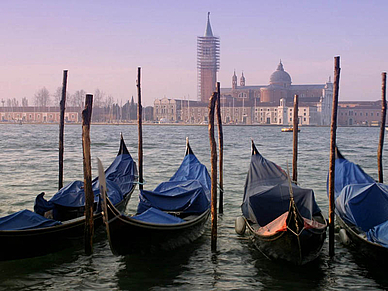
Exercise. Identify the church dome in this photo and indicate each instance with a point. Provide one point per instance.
(280, 76)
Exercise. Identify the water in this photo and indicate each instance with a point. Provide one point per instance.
(28, 166)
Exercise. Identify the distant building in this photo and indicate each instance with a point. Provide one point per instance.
(208, 62)
(194, 112)
(33, 114)
(167, 110)
(367, 113)
(317, 98)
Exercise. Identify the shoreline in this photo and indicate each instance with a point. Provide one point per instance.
(173, 124)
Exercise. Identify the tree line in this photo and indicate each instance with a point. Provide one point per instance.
(43, 98)
(105, 109)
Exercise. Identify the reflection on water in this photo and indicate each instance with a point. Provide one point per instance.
(28, 163)
(144, 271)
(272, 276)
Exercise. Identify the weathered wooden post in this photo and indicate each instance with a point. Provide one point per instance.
(382, 126)
(89, 197)
(62, 128)
(295, 141)
(213, 160)
(333, 136)
(220, 149)
(140, 130)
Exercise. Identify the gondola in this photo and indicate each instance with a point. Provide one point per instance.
(361, 208)
(60, 222)
(283, 219)
(173, 214)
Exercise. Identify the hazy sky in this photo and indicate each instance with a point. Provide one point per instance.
(102, 43)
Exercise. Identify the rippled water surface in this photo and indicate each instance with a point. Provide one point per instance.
(29, 165)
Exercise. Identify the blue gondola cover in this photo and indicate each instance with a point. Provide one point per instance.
(267, 193)
(119, 178)
(379, 234)
(187, 191)
(361, 201)
(25, 219)
(154, 215)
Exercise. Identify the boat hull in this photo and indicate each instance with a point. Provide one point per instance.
(289, 246)
(127, 235)
(360, 243)
(289, 129)
(20, 244)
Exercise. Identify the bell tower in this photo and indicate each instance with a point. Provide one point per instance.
(234, 80)
(242, 80)
(208, 62)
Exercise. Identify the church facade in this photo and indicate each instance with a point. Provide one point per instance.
(273, 103)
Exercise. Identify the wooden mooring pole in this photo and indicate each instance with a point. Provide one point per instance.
(295, 141)
(220, 149)
(62, 128)
(333, 136)
(382, 126)
(213, 162)
(140, 130)
(89, 197)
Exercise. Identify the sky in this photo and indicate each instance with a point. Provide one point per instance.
(102, 43)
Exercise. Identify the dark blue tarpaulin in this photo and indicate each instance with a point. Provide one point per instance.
(379, 234)
(361, 201)
(348, 173)
(153, 215)
(267, 193)
(119, 179)
(187, 191)
(25, 219)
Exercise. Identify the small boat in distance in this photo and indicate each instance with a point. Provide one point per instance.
(173, 214)
(289, 129)
(361, 210)
(283, 219)
(59, 223)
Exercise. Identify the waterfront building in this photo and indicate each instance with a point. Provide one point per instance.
(195, 112)
(367, 113)
(174, 110)
(166, 110)
(33, 114)
(208, 62)
(316, 98)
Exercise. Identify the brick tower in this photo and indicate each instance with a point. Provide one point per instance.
(208, 62)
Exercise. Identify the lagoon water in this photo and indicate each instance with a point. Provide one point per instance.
(29, 166)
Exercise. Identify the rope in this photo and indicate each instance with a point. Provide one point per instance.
(292, 200)
(140, 183)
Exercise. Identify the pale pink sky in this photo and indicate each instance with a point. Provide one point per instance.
(102, 43)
